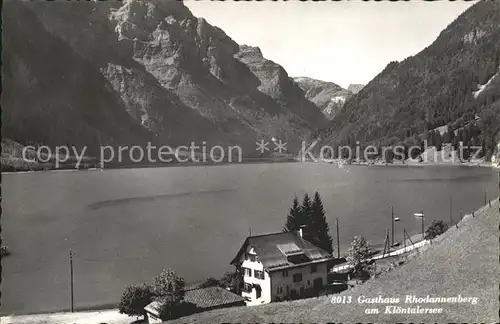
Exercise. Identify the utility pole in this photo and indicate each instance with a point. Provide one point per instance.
(451, 215)
(338, 240)
(386, 244)
(421, 215)
(408, 236)
(423, 235)
(392, 225)
(404, 239)
(71, 279)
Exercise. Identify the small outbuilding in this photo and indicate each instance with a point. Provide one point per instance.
(202, 299)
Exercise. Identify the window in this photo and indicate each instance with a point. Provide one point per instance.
(297, 277)
(247, 272)
(258, 292)
(285, 273)
(308, 282)
(247, 288)
(280, 290)
(258, 274)
(252, 257)
(314, 268)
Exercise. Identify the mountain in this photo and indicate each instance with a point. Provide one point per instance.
(436, 87)
(138, 71)
(355, 88)
(328, 96)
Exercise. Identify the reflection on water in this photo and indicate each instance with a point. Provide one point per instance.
(133, 200)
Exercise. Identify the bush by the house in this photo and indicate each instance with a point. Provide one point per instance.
(358, 253)
(210, 282)
(166, 288)
(172, 309)
(231, 280)
(134, 299)
(435, 229)
(168, 285)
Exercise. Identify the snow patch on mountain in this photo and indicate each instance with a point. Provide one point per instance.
(338, 99)
(482, 87)
(474, 35)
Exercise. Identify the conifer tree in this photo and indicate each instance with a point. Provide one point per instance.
(319, 226)
(294, 217)
(451, 135)
(439, 144)
(455, 143)
(306, 213)
(432, 136)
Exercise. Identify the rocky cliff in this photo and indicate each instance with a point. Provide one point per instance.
(355, 88)
(327, 96)
(135, 71)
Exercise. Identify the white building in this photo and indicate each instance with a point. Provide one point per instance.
(280, 266)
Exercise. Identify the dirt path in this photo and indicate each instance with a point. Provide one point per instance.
(99, 317)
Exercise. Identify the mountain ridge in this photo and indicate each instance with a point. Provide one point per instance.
(433, 88)
(173, 77)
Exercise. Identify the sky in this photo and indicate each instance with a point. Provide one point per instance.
(344, 42)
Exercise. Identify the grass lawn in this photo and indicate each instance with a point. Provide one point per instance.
(463, 261)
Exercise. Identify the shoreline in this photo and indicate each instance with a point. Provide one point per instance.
(245, 161)
(337, 162)
(410, 163)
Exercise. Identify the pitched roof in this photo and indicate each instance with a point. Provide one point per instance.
(211, 297)
(203, 298)
(274, 250)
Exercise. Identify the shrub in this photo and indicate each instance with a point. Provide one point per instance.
(169, 286)
(170, 309)
(358, 251)
(210, 282)
(4, 251)
(231, 280)
(134, 299)
(435, 229)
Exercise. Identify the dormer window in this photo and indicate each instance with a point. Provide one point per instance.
(293, 253)
(252, 255)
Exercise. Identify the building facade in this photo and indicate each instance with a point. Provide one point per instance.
(280, 266)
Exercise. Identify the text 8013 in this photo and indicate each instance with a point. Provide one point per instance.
(341, 299)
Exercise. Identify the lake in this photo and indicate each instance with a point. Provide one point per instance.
(125, 226)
